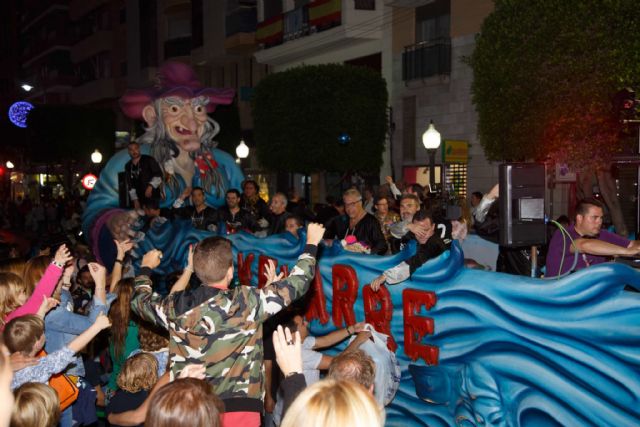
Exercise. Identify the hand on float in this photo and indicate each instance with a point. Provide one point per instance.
(315, 232)
(377, 282)
(288, 351)
(151, 259)
(270, 273)
(358, 327)
(362, 337)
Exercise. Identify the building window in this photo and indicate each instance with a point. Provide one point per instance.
(456, 179)
(272, 8)
(365, 4)
(433, 21)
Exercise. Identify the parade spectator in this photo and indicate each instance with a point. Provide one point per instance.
(355, 366)
(82, 291)
(399, 231)
(154, 341)
(136, 379)
(232, 350)
(293, 224)
(334, 403)
(17, 300)
(25, 334)
(588, 244)
(357, 225)
(186, 402)
(142, 175)
(36, 404)
(430, 245)
(6, 396)
(368, 201)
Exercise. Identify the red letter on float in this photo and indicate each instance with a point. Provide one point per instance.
(417, 327)
(262, 264)
(345, 292)
(380, 317)
(244, 268)
(317, 308)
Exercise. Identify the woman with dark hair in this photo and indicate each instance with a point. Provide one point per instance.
(124, 330)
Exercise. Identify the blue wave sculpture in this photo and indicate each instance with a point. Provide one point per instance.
(513, 351)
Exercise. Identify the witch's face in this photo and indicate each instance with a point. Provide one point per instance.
(184, 120)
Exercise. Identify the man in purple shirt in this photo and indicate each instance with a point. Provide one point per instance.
(594, 246)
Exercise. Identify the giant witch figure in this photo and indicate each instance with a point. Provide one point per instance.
(179, 135)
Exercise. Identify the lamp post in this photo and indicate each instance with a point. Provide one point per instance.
(431, 140)
(9, 164)
(96, 157)
(242, 151)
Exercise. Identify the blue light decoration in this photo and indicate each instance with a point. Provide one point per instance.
(18, 113)
(344, 138)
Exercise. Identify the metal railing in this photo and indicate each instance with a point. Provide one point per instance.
(426, 59)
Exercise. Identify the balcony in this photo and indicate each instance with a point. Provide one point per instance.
(318, 26)
(97, 42)
(240, 29)
(177, 47)
(426, 59)
(94, 91)
(79, 8)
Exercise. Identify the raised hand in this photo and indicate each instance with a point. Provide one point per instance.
(99, 274)
(288, 350)
(46, 305)
(62, 255)
(102, 321)
(123, 247)
(315, 232)
(270, 273)
(190, 258)
(151, 259)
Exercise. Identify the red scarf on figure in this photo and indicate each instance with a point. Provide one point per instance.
(205, 162)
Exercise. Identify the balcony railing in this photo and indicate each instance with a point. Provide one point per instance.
(296, 23)
(177, 47)
(426, 59)
(243, 20)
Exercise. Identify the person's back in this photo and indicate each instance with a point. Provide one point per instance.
(220, 327)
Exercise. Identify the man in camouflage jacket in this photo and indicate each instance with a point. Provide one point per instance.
(220, 327)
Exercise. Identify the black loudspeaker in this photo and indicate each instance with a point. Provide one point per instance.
(123, 191)
(522, 204)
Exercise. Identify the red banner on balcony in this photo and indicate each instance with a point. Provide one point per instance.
(270, 31)
(325, 13)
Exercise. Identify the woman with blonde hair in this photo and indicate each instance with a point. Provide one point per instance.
(36, 404)
(334, 403)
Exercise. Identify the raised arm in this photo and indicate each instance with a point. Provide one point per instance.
(146, 303)
(183, 281)
(116, 273)
(277, 295)
(81, 341)
(45, 286)
(599, 247)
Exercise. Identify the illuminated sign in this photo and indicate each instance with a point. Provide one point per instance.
(89, 181)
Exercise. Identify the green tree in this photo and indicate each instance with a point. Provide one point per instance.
(300, 113)
(545, 72)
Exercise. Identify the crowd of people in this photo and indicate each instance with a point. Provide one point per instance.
(83, 342)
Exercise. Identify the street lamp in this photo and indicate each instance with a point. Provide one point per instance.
(9, 164)
(242, 150)
(431, 140)
(26, 87)
(96, 157)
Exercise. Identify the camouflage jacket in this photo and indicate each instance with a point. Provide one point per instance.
(222, 328)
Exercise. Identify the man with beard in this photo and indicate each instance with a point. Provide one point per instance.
(233, 216)
(202, 217)
(142, 175)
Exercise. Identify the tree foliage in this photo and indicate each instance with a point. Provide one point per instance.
(545, 72)
(299, 115)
